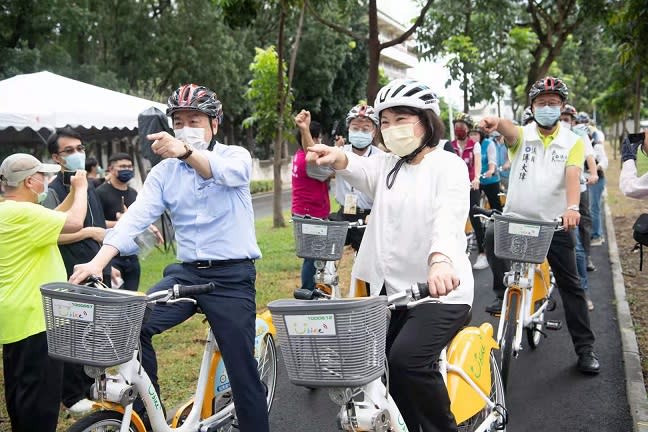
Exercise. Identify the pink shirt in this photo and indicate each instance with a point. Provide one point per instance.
(309, 196)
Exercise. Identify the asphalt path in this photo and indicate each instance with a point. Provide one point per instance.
(262, 203)
(546, 392)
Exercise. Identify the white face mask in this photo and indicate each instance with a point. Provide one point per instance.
(401, 140)
(566, 125)
(195, 137)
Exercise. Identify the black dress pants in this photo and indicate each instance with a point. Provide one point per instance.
(33, 382)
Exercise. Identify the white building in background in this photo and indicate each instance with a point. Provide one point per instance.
(398, 59)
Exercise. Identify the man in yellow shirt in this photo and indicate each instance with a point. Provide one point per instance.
(29, 258)
(546, 164)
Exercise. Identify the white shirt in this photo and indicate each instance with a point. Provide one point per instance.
(425, 211)
(631, 185)
(342, 188)
(537, 184)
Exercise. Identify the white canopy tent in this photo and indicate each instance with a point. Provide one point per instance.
(43, 101)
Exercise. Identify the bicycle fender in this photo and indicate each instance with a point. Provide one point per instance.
(541, 283)
(470, 351)
(267, 317)
(111, 406)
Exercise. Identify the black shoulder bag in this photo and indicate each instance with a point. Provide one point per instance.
(640, 234)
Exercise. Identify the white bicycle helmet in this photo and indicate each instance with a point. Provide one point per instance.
(365, 111)
(402, 92)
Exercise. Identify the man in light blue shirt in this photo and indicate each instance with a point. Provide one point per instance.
(206, 187)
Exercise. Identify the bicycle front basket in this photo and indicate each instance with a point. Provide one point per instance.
(319, 239)
(522, 240)
(332, 343)
(92, 326)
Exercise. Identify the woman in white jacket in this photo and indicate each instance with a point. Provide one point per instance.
(415, 234)
(630, 184)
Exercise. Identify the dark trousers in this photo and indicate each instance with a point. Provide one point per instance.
(308, 274)
(32, 385)
(415, 339)
(492, 194)
(562, 259)
(129, 267)
(231, 312)
(476, 223)
(585, 224)
(354, 235)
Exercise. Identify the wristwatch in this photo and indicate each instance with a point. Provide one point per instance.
(574, 207)
(188, 152)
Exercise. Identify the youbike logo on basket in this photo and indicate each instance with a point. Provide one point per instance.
(311, 229)
(311, 325)
(73, 310)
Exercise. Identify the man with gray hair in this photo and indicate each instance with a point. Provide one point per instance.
(29, 258)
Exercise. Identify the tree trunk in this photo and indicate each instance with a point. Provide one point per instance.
(374, 53)
(277, 212)
(636, 112)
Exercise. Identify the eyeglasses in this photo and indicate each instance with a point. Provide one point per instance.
(551, 103)
(69, 150)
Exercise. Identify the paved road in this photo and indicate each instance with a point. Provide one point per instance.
(546, 392)
(262, 203)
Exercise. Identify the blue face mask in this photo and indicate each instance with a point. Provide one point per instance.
(41, 196)
(547, 116)
(75, 161)
(359, 139)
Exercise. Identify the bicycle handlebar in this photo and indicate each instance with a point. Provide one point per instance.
(488, 214)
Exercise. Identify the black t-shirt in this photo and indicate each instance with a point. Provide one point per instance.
(86, 249)
(113, 200)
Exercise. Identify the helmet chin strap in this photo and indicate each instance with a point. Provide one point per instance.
(213, 141)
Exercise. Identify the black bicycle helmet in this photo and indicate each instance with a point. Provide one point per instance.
(548, 85)
(197, 98)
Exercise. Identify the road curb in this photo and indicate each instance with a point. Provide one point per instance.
(635, 388)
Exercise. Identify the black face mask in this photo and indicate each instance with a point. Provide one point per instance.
(125, 175)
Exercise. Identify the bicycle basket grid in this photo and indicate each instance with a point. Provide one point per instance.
(319, 239)
(522, 240)
(92, 326)
(332, 343)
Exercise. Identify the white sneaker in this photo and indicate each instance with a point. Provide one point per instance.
(84, 406)
(481, 262)
(590, 305)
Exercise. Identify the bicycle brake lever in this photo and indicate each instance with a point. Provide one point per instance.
(184, 299)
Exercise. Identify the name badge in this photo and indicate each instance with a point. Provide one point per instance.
(350, 203)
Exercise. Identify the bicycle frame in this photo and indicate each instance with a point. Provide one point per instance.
(118, 393)
(364, 416)
(531, 286)
(373, 415)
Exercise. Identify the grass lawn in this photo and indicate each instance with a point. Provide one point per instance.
(180, 349)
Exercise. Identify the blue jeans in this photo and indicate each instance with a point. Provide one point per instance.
(308, 274)
(596, 191)
(581, 262)
(231, 312)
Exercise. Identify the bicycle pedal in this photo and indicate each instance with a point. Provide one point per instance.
(553, 325)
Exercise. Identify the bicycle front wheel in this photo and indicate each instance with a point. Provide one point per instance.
(496, 395)
(508, 335)
(267, 367)
(101, 421)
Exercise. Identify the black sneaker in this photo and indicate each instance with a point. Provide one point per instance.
(588, 363)
(495, 307)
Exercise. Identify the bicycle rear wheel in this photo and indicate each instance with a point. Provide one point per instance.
(101, 421)
(496, 395)
(508, 335)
